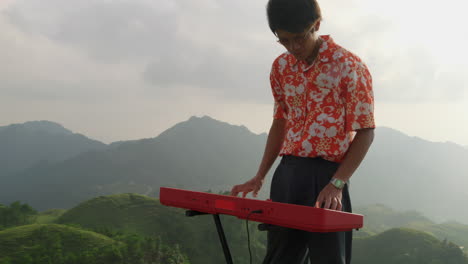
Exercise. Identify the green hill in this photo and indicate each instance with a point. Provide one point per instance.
(145, 216)
(25, 243)
(451, 231)
(49, 216)
(131, 227)
(125, 212)
(405, 246)
(380, 218)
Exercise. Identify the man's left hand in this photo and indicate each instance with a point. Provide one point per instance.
(330, 197)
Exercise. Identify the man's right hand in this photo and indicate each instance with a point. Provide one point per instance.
(252, 185)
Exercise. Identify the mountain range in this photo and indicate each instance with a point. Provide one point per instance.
(407, 173)
(32, 143)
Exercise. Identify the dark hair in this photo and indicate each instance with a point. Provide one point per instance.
(292, 15)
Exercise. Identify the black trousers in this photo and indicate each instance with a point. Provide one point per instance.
(299, 180)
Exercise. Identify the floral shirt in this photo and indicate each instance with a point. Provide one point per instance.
(324, 103)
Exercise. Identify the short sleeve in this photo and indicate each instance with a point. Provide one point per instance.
(359, 98)
(279, 109)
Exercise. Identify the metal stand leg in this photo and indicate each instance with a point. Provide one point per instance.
(222, 237)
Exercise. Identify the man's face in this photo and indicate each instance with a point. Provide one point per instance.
(301, 45)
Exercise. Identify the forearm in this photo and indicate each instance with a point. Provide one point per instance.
(273, 146)
(356, 153)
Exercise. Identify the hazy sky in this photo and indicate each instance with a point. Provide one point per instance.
(129, 69)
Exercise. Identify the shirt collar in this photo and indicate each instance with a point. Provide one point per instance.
(327, 41)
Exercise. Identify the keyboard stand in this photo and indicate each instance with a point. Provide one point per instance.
(219, 227)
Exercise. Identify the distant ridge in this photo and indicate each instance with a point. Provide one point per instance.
(202, 154)
(206, 124)
(402, 245)
(30, 143)
(45, 126)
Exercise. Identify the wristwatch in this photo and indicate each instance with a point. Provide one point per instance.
(338, 183)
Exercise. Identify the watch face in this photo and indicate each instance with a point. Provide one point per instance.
(338, 183)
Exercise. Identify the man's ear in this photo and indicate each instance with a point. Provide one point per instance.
(317, 26)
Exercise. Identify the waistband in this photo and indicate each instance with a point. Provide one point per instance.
(297, 159)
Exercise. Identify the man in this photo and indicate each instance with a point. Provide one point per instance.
(322, 127)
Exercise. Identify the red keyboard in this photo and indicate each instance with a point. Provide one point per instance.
(281, 214)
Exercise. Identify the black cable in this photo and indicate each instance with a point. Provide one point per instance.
(248, 233)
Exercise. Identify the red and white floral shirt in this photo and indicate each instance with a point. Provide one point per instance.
(324, 103)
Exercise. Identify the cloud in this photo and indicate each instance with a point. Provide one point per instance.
(36, 68)
(223, 48)
(413, 52)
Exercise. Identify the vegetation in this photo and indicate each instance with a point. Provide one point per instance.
(145, 216)
(380, 218)
(49, 216)
(406, 246)
(131, 228)
(16, 214)
(57, 244)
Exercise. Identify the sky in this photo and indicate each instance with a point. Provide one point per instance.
(129, 69)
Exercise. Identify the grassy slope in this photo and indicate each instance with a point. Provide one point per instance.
(125, 212)
(197, 236)
(146, 216)
(451, 231)
(402, 245)
(380, 218)
(19, 240)
(49, 216)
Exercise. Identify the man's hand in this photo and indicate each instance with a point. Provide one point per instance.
(330, 197)
(252, 185)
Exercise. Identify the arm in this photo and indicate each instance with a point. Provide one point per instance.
(356, 153)
(330, 195)
(272, 149)
(273, 146)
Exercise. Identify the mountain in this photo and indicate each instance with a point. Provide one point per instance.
(379, 218)
(200, 154)
(32, 143)
(402, 245)
(408, 173)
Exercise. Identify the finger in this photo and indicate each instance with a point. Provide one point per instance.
(257, 189)
(319, 201)
(244, 193)
(334, 203)
(234, 191)
(340, 205)
(327, 203)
